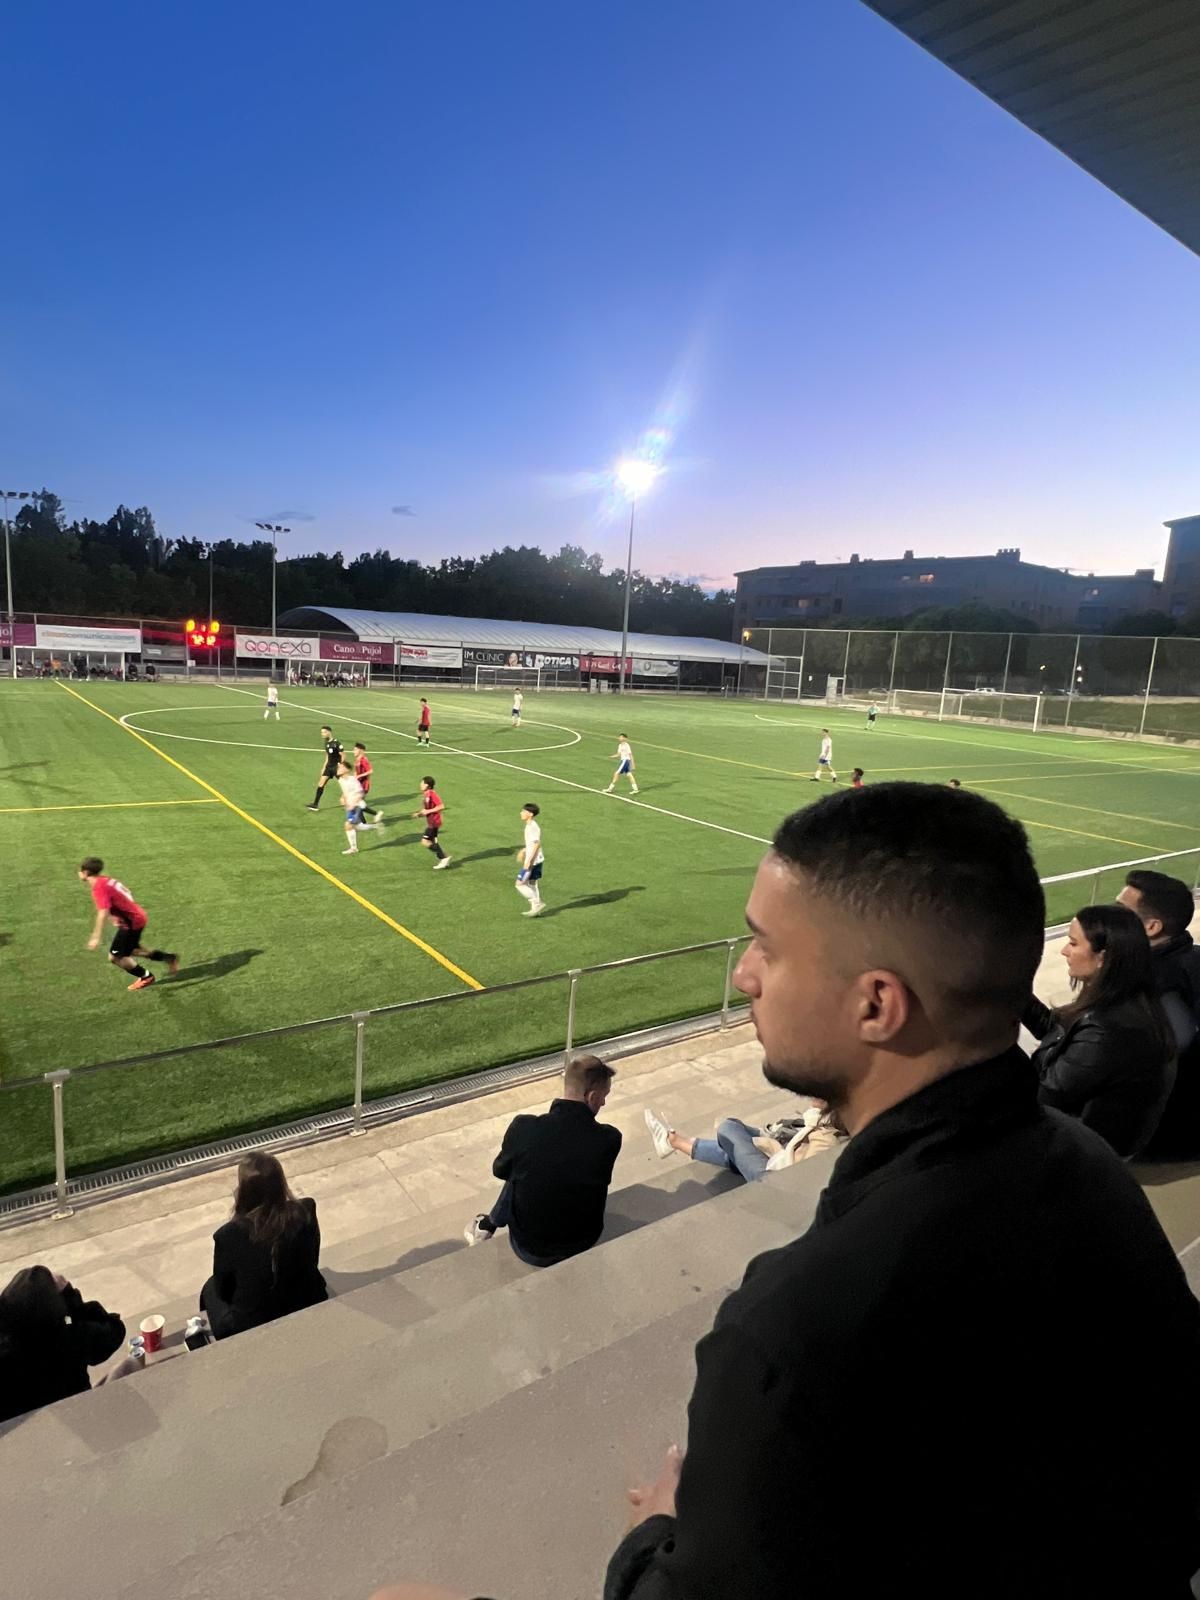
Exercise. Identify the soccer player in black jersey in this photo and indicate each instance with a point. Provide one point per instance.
(333, 755)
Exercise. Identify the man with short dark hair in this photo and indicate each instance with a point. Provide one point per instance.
(924, 1382)
(1165, 906)
(556, 1170)
(329, 767)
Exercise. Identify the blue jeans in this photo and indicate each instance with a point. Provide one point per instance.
(733, 1148)
(500, 1216)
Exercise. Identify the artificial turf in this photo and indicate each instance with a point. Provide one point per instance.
(201, 812)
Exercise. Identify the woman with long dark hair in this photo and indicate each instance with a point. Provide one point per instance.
(1108, 1058)
(49, 1337)
(265, 1257)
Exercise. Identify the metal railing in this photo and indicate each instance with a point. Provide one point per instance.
(573, 978)
(359, 1020)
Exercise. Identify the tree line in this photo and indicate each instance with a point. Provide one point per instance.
(125, 568)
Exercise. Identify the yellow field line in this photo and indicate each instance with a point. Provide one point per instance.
(1081, 833)
(315, 866)
(106, 805)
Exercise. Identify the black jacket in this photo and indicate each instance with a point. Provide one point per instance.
(1176, 968)
(253, 1283)
(37, 1372)
(1105, 1067)
(560, 1166)
(976, 1375)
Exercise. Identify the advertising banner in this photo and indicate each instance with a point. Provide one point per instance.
(377, 653)
(281, 647)
(604, 663)
(17, 633)
(493, 658)
(652, 667)
(67, 637)
(432, 655)
(553, 662)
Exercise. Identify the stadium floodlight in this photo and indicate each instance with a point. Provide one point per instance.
(635, 477)
(6, 495)
(274, 529)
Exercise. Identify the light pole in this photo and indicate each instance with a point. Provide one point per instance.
(274, 529)
(6, 495)
(635, 478)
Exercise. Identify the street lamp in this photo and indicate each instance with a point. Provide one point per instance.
(635, 478)
(274, 529)
(6, 495)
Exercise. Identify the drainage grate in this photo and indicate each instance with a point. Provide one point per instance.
(32, 1203)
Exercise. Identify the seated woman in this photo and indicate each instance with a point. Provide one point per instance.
(1108, 1058)
(265, 1257)
(49, 1337)
(752, 1152)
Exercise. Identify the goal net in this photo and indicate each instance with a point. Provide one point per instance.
(524, 678)
(969, 705)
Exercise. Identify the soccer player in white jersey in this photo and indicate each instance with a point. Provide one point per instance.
(518, 702)
(272, 702)
(529, 878)
(352, 799)
(624, 759)
(825, 760)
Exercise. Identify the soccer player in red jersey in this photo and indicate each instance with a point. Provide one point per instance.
(362, 771)
(423, 722)
(114, 901)
(432, 811)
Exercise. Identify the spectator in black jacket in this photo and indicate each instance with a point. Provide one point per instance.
(49, 1337)
(1109, 1057)
(556, 1170)
(1165, 907)
(265, 1257)
(916, 1398)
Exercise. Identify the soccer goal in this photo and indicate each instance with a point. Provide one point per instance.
(969, 705)
(523, 678)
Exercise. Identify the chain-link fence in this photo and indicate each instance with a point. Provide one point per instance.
(1082, 681)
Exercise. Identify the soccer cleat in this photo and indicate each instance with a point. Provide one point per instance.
(352, 851)
(444, 862)
(609, 789)
(634, 789)
(142, 983)
(534, 911)
(378, 818)
(173, 965)
(811, 780)
(310, 808)
(476, 1233)
(659, 1132)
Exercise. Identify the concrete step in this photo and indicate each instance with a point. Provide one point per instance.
(136, 1477)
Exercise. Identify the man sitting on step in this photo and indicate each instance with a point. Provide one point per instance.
(556, 1170)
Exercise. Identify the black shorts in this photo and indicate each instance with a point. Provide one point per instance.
(422, 728)
(330, 771)
(431, 834)
(125, 941)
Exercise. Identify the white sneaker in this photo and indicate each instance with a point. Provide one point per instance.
(634, 790)
(659, 1132)
(353, 851)
(534, 911)
(444, 862)
(476, 1233)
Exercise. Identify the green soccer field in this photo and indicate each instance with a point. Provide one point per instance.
(198, 804)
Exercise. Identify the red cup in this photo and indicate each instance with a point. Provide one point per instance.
(151, 1330)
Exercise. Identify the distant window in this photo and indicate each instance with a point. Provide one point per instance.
(1091, 594)
(926, 577)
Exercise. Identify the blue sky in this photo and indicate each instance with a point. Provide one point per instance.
(274, 260)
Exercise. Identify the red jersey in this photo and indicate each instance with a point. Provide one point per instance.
(432, 802)
(362, 771)
(112, 896)
(425, 716)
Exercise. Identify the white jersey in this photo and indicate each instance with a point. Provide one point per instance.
(272, 696)
(352, 791)
(533, 845)
(826, 748)
(518, 700)
(624, 750)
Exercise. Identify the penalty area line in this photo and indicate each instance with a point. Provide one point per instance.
(275, 838)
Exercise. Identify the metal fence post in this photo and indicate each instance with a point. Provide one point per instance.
(1149, 681)
(730, 954)
(569, 1047)
(1073, 681)
(360, 1045)
(56, 1081)
(892, 673)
